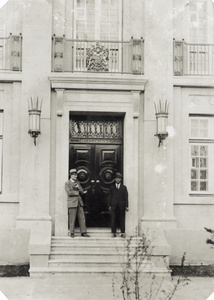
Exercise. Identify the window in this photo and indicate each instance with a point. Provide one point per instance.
(97, 19)
(1, 147)
(202, 154)
(198, 21)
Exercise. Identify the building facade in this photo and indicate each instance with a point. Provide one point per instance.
(99, 66)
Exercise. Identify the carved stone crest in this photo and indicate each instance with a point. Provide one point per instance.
(97, 58)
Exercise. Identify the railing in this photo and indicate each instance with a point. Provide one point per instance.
(11, 53)
(97, 56)
(193, 59)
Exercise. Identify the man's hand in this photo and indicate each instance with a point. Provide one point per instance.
(127, 209)
(109, 208)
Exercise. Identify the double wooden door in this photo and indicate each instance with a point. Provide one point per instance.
(96, 166)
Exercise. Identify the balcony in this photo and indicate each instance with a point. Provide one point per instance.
(97, 56)
(193, 59)
(11, 53)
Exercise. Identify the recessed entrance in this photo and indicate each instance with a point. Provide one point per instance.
(96, 151)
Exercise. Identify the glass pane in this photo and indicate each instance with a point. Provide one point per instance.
(80, 3)
(80, 14)
(113, 27)
(90, 3)
(203, 133)
(90, 36)
(104, 3)
(114, 3)
(203, 186)
(194, 174)
(194, 186)
(81, 26)
(90, 15)
(90, 27)
(203, 150)
(203, 123)
(203, 174)
(195, 162)
(104, 36)
(194, 150)
(104, 27)
(104, 15)
(1, 125)
(203, 162)
(114, 36)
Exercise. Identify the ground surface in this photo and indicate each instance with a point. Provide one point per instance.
(92, 287)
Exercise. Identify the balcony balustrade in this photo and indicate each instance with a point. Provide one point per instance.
(11, 53)
(97, 56)
(193, 59)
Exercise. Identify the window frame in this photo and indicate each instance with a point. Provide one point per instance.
(207, 141)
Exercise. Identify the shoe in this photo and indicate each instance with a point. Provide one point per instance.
(85, 234)
(123, 235)
(72, 235)
(114, 235)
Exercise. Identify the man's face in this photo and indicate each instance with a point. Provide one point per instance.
(118, 180)
(74, 176)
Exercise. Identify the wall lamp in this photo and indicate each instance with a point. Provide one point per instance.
(161, 112)
(34, 110)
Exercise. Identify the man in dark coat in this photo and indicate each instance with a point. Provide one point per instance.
(118, 205)
(75, 203)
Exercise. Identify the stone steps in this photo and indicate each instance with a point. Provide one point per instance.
(97, 254)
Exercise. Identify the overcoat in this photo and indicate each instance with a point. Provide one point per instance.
(118, 197)
(74, 191)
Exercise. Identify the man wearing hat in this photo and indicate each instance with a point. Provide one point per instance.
(118, 205)
(75, 203)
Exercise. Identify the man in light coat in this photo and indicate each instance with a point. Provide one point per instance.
(118, 205)
(75, 203)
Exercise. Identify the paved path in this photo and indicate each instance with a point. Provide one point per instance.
(91, 287)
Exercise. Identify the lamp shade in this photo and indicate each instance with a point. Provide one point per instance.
(34, 110)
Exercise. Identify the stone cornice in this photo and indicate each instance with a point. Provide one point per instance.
(194, 81)
(98, 81)
(7, 76)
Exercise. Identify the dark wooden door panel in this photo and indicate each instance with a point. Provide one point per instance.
(82, 157)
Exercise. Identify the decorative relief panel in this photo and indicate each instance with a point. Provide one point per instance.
(95, 129)
(97, 58)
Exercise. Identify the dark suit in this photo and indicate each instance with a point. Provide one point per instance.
(118, 201)
(75, 205)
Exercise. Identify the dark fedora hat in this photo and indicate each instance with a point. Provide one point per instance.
(118, 175)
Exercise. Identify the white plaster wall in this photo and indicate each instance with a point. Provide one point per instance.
(14, 246)
(8, 214)
(10, 98)
(192, 242)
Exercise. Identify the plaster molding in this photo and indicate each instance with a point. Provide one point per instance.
(10, 76)
(194, 81)
(136, 102)
(60, 101)
(98, 81)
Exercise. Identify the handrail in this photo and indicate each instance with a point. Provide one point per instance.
(80, 55)
(193, 58)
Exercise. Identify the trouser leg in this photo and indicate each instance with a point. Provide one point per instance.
(113, 221)
(72, 217)
(81, 218)
(122, 221)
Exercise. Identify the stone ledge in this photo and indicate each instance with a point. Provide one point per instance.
(10, 76)
(194, 81)
(98, 81)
